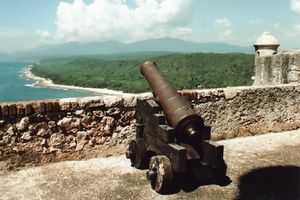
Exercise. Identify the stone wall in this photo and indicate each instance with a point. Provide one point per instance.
(280, 68)
(62, 127)
(67, 127)
(246, 111)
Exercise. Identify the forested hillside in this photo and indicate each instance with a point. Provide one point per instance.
(185, 71)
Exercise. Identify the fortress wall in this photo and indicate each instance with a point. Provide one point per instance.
(245, 111)
(43, 131)
(280, 68)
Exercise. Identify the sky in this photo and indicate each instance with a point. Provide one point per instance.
(26, 24)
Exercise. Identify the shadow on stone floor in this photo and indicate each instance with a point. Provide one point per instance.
(276, 183)
(188, 183)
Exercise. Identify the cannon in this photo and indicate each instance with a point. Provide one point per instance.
(171, 138)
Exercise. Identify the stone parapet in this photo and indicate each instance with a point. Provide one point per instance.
(21, 109)
(235, 112)
(67, 126)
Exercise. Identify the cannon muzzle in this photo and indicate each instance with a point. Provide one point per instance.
(178, 111)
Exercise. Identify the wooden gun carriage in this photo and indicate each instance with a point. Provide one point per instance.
(171, 139)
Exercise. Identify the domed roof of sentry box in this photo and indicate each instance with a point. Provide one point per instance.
(266, 39)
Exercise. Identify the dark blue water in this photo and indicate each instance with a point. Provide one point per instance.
(12, 87)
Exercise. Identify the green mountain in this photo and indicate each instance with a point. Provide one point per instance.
(114, 47)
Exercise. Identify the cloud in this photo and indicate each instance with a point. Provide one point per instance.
(295, 6)
(114, 20)
(44, 35)
(223, 23)
(225, 35)
(181, 31)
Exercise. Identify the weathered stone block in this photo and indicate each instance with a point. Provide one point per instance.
(130, 101)
(56, 140)
(86, 121)
(276, 70)
(21, 110)
(65, 122)
(68, 104)
(23, 124)
(98, 113)
(90, 102)
(70, 142)
(1, 114)
(113, 111)
(43, 132)
(49, 107)
(11, 131)
(42, 107)
(13, 110)
(29, 109)
(81, 139)
(5, 111)
(110, 101)
(293, 69)
(56, 106)
(79, 112)
(26, 136)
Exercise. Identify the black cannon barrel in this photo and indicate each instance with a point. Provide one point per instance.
(178, 111)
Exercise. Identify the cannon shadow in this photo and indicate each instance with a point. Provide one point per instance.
(278, 182)
(188, 183)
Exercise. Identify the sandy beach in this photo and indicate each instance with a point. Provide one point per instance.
(47, 83)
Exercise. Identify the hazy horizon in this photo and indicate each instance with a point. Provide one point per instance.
(28, 24)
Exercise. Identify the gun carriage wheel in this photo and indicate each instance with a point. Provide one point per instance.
(137, 153)
(160, 173)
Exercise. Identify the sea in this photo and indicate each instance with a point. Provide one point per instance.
(14, 88)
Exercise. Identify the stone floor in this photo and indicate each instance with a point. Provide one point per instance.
(260, 167)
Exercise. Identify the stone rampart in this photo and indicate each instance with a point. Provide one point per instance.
(246, 111)
(43, 130)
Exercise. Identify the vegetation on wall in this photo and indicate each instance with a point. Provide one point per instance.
(184, 71)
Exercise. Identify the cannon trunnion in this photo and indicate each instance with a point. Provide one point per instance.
(171, 139)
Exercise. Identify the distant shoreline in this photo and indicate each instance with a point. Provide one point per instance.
(41, 82)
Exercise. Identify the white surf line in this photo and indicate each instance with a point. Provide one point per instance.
(48, 83)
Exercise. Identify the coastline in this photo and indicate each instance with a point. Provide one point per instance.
(41, 82)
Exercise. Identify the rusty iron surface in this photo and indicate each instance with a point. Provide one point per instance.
(178, 111)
